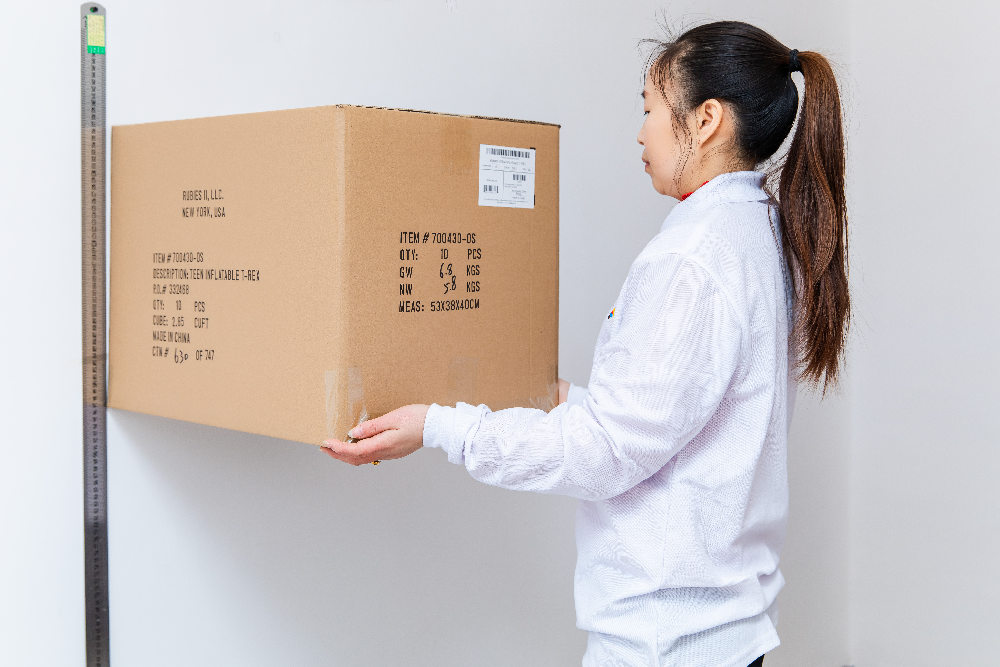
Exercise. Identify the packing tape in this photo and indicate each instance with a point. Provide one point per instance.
(345, 390)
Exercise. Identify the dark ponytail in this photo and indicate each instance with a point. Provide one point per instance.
(747, 68)
(814, 223)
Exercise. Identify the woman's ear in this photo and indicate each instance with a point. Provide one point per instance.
(708, 122)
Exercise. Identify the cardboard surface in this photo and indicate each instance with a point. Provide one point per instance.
(290, 272)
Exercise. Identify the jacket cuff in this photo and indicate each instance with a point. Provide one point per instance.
(447, 428)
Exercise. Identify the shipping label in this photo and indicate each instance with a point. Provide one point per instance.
(506, 176)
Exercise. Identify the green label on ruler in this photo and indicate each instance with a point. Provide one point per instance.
(95, 34)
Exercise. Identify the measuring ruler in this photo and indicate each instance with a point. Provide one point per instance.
(95, 436)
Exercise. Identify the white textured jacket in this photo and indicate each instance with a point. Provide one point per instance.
(678, 446)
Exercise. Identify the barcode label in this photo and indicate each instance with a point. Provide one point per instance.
(506, 176)
(507, 152)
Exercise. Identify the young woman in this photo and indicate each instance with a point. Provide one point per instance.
(677, 447)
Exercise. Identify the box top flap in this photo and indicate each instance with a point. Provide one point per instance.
(357, 106)
(439, 113)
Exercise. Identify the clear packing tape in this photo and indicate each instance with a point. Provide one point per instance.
(344, 386)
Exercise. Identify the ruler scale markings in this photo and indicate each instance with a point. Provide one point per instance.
(92, 173)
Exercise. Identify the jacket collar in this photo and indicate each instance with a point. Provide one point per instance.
(731, 186)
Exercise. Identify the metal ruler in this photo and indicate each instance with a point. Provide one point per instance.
(95, 437)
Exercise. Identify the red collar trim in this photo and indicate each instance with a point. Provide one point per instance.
(683, 197)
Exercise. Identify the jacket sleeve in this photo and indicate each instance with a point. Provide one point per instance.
(655, 382)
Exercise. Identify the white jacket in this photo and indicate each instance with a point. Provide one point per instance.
(678, 446)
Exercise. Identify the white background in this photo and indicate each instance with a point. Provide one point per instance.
(230, 549)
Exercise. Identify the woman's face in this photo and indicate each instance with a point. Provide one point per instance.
(668, 148)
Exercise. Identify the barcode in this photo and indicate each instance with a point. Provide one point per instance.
(491, 188)
(519, 177)
(507, 152)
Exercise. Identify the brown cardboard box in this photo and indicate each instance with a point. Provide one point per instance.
(291, 273)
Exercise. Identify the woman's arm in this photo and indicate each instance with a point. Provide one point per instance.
(655, 383)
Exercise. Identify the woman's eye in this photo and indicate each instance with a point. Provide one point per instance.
(645, 113)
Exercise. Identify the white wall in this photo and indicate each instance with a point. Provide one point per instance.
(926, 441)
(229, 549)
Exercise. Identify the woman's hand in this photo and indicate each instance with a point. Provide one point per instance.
(392, 436)
(563, 391)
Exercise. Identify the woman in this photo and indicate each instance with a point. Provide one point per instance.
(677, 447)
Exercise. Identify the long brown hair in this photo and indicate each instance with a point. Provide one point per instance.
(746, 67)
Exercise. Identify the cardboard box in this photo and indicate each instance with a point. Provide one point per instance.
(291, 273)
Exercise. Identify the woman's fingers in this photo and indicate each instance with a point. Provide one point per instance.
(392, 436)
(376, 448)
(390, 420)
(366, 429)
(563, 391)
(371, 427)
